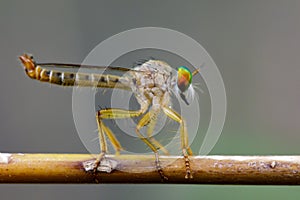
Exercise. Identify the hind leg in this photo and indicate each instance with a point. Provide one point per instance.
(103, 130)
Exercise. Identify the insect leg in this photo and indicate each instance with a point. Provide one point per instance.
(150, 130)
(111, 113)
(146, 119)
(186, 150)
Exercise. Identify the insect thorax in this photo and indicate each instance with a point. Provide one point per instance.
(154, 79)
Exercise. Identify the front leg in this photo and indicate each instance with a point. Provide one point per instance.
(186, 150)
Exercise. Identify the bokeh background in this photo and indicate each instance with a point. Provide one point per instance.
(255, 44)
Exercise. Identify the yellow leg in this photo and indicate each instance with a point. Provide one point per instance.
(186, 150)
(113, 113)
(146, 119)
(150, 130)
(110, 113)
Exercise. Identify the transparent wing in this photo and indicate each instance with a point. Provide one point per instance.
(76, 74)
(88, 67)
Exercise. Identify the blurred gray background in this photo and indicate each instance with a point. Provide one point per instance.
(255, 44)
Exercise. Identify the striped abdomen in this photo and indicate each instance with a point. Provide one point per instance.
(81, 79)
(37, 72)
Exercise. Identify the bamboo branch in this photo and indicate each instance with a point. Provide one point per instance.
(78, 168)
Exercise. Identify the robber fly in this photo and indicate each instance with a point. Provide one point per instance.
(152, 83)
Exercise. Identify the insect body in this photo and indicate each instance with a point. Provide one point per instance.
(152, 83)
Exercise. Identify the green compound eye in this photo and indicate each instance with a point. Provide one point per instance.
(184, 78)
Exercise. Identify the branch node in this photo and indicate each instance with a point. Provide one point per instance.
(273, 164)
(106, 165)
